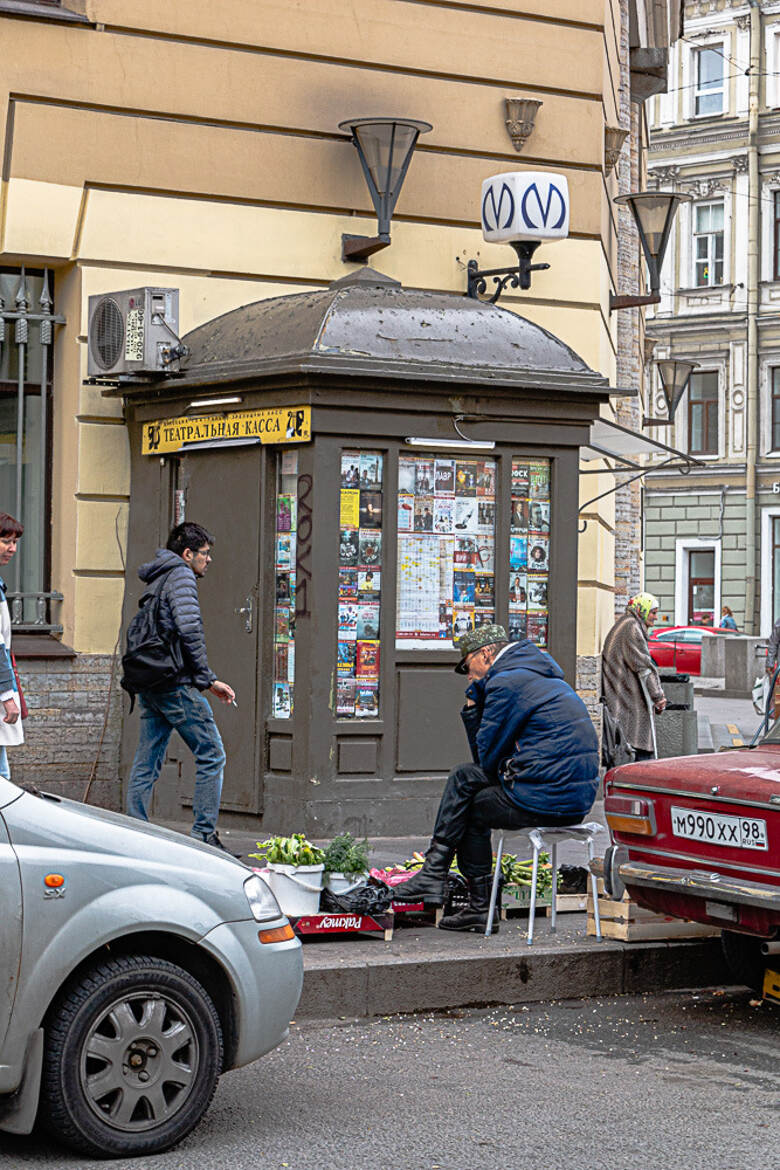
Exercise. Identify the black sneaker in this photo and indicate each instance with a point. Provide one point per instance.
(213, 839)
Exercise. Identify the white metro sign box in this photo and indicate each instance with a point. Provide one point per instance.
(525, 205)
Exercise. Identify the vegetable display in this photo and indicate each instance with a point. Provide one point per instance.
(295, 850)
(346, 855)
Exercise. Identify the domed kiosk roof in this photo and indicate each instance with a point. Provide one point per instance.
(368, 325)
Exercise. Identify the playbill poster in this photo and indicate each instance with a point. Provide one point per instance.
(283, 700)
(529, 551)
(361, 507)
(446, 517)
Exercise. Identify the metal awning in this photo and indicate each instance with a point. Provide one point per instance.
(608, 440)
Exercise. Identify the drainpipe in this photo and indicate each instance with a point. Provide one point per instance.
(752, 421)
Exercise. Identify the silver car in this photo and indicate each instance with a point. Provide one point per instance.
(136, 965)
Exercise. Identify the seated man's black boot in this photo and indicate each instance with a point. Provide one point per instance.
(475, 915)
(428, 885)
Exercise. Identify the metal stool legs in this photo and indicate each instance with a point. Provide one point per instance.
(494, 888)
(594, 889)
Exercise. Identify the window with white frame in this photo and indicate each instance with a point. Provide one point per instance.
(709, 91)
(708, 244)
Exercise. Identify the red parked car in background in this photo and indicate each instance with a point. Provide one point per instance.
(698, 837)
(678, 648)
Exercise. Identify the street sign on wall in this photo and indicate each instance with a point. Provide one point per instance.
(525, 205)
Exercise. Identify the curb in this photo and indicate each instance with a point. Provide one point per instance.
(392, 985)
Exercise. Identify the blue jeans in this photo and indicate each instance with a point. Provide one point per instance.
(185, 710)
(5, 771)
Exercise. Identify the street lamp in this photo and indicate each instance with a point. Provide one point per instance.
(675, 374)
(385, 147)
(653, 213)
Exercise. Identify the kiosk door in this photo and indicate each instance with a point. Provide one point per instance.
(223, 493)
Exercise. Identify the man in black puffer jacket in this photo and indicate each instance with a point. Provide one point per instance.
(536, 762)
(174, 573)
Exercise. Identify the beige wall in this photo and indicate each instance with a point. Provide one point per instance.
(196, 145)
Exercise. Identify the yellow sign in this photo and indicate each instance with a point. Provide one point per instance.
(280, 424)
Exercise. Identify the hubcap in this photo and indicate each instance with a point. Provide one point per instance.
(139, 1062)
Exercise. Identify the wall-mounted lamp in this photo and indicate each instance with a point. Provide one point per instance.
(385, 147)
(653, 213)
(675, 375)
(520, 119)
(614, 137)
(452, 444)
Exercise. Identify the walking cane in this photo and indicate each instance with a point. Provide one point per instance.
(643, 676)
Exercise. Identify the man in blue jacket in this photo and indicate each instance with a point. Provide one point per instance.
(174, 574)
(536, 762)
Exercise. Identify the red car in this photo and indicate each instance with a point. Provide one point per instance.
(678, 648)
(698, 837)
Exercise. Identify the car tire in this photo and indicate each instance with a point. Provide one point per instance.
(133, 1053)
(744, 960)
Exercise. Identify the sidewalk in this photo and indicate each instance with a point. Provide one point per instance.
(423, 968)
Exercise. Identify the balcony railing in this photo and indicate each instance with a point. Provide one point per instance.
(31, 612)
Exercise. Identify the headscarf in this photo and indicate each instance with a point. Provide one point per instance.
(642, 604)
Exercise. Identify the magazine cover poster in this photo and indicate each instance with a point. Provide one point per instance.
(345, 696)
(368, 584)
(486, 478)
(283, 594)
(348, 546)
(367, 624)
(291, 663)
(518, 552)
(284, 513)
(349, 507)
(289, 463)
(370, 512)
(345, 657)
(282, 701)
(423, 479)
(423, 514)
(405, 513)
(521, 479)
(485, 553)
(518, 589)
(539, 516)
(348, 584)
(465, 554)
(444, 477)
(445, 619)
(406, 475)
(517, 625)
(537, 628)
(348, 614)
(484, 617)
(282, 627)
(281, 669)
(486, 515)
(462, 621)
(518, 517)
(370, 547)
(367, 666)
(370, 470)
(350, 469)
(465, 477)
(483, 589)
(540, 481)
(466, 514)
(537, 593)
(464, 588)
(538, 553)
(283, 550)
(366, 700)
(443, 515)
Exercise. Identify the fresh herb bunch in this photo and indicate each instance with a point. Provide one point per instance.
(346, 855)
(519, 873)
(295, 850)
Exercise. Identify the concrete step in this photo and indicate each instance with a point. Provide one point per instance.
(705, 733)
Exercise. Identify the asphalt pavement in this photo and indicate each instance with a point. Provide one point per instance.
(683, 1081)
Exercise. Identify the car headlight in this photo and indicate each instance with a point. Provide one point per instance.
(261, 901)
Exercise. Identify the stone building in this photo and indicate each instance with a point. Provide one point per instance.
(712, 537)
(197, 146)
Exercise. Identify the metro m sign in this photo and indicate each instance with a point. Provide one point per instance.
(525, 205)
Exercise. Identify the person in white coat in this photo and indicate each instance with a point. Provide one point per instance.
(11, 731)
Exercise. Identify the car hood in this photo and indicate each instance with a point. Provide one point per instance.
(745, 775)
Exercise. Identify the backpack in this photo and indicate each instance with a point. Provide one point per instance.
(150, 662)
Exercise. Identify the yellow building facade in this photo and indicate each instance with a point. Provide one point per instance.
(196, 145)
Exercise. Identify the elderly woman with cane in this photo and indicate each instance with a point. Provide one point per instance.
(629, 675)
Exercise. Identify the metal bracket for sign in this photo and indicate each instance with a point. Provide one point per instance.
(504, 278)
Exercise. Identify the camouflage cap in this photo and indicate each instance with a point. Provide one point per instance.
(474, 640)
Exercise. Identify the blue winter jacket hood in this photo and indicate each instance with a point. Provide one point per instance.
(524, 710)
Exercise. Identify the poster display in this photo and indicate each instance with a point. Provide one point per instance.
(529, 550)
(446, 518)
(360, 580)
(284, 612)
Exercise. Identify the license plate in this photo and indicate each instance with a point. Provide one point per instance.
(719, 829)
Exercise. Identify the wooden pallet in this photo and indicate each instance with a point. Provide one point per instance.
(625, 921)
(569, 904)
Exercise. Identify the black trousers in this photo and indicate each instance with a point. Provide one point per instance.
(471, 805)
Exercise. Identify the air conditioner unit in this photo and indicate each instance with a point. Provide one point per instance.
(132, 332)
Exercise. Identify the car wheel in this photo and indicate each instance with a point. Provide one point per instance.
(744, 960)
(133, 1053)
